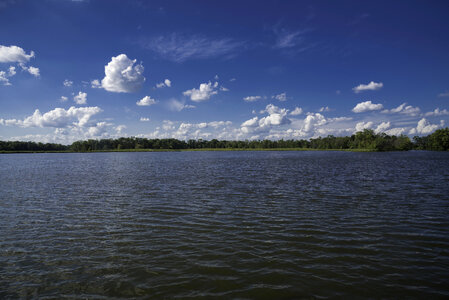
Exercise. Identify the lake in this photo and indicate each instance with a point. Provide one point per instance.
(246, 225)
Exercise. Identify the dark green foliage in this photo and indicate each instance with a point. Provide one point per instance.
(30, 146)
(366, 139)
(439, 141)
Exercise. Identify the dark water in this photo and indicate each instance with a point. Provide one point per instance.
(265, 225)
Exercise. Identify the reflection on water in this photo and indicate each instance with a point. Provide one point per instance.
(266, 225)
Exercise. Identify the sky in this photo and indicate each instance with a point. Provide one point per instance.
(229, 70)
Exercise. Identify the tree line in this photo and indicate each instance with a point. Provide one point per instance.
(366, 139)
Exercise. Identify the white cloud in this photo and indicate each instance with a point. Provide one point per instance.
(372, 86)
(180, 48)
(251, 122)
(340, 119)
(205, 91)
(142, 119)
(232, 79)
(297, 111)
(395, 131)
(366, 106)
(437, 112)
(166, 83)
(146, 101)
(274, 120)
(122, 76)
(325, 109)
(424, 127)
(313, 120)
(252, 98)
(119, 129)
(33, 71)
(176, 105)
(404, 109)
(223, 89)
(288, 39)
(14, 54)
(445, 94)
(4, 78)
(67, 83)
(81, 98)
(63, 99)
(276, 117)
(97, 130)
(360, 126)
(11, 71)
(95, 84)
(382, 127)
(58, 117)
(280, 97)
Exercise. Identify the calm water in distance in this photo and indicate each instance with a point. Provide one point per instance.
(246, 225)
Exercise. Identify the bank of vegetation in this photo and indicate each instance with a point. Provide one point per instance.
(366, 140)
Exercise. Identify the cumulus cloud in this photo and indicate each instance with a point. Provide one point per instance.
(176, 105)
(424, 127)
(95, 84)
(119, 129)
(297, 111)
(63, 99)
(313, 120)
(437, 112)
(325, 109)
(33, 71)
(366, 106)
(404, 109)
(251, 122)
(11, 54)
(11, 71)
(146, 101)
(67, 83)
(205, 91)
(395, 131)
(4, 78)
(123, 75)
(179, 48)
(58, 117)
(360, 126)
(276, 117)
(165, 83)
(382, 127)
(252, 98)
(372, 86)
(81, 98)
(280, 97)
(142, 119)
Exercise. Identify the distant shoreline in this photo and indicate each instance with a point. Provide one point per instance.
(195, 150)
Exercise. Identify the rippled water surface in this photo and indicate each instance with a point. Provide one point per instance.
(265, 225)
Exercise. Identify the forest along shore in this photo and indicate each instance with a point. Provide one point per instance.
(366, 140)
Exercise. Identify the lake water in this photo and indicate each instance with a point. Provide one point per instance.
(265, 225)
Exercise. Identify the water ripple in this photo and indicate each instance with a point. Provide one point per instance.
(265, 225)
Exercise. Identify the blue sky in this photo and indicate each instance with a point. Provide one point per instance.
(73, 70)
